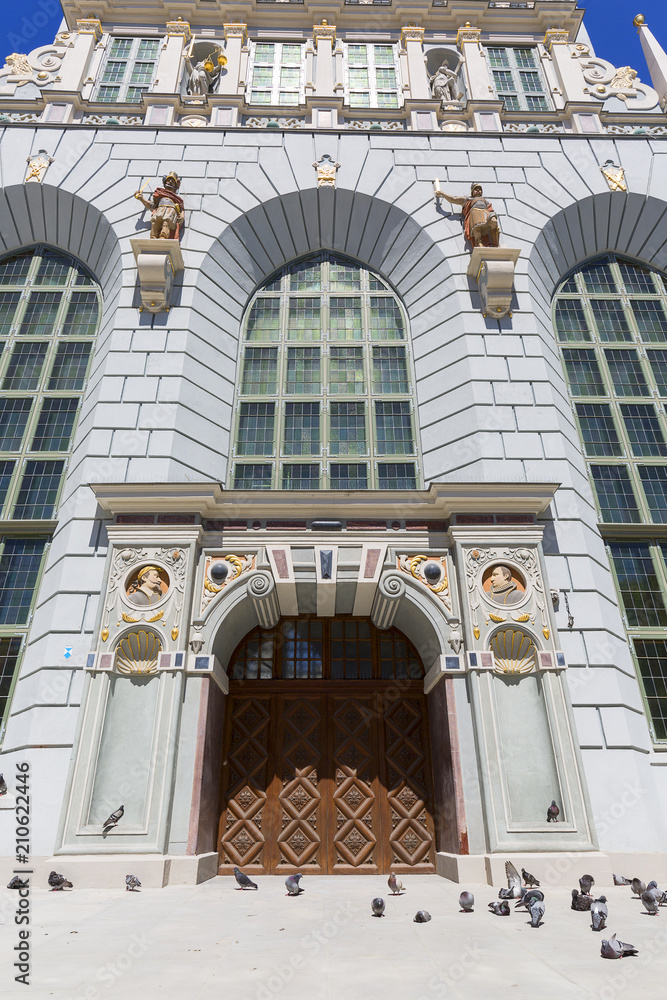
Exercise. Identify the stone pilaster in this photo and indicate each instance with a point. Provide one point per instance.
(412, 39)
(324, 37)
(77, 58)
(479, 81)
(236, 39)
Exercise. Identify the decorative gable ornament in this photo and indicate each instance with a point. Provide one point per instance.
(614, 176)
(606, 81)
(327, 169)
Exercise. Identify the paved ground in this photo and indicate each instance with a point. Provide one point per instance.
(214, 941)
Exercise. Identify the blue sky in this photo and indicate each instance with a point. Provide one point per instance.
(25, 26)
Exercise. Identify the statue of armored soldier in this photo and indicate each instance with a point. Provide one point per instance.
(480, 220)
(166, 208)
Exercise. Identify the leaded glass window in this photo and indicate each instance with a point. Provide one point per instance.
(372, 76)
(325, 353)
(276, 74)
(128, 71)
(517, 78)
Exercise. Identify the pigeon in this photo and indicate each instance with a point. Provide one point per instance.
(581, 901)
(599, 913)
(528, 878)
(650, 903)
(113, 819)
(3, 785)
(638, 887)
(500, 909)
(622, 880)
(552, 812)
(536, 912)
(292, 885)
(467, 902)
(132, 882)
(242, 880)
(585, 884)
(57, 881)
(422, 917)
(616, 949)
(377, 906)
(529, 896)
(652, 887)
(513, 890)
(396, 887)
(17, 883)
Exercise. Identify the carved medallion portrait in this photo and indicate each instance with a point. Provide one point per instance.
(147, 586)
(503, 585)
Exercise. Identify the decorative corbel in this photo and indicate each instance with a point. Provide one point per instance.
(157, 263)
(493, 269)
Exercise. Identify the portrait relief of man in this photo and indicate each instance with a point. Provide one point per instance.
(146, 588)
(503, 588)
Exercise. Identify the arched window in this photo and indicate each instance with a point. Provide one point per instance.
(325, 383)
(49, 313)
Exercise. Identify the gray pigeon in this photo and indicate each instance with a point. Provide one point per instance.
(3, 785)
(132, 882)
(552, 812)
(652, 887)
(292, 885)
(113, 819)
(501, 909)
(536, 912)
(242, 880)
(57, 881)
(377, 906)
(529, 896)
(616, 949)
(422, 917)
(396, 887)
(638, 887)
(467, 902)
(528, 878)
(581, 901)
(599, 913)
(585, 884)
(650, 903)
(513, 890)
(621, 880)
(17, 883)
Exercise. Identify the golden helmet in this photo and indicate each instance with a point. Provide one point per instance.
(174, 176)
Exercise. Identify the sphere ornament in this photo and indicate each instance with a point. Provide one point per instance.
(432, 571)
(639, 20)
(218, 571)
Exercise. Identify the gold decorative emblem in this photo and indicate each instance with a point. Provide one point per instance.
(174, 634)
(128, 618)
(105, 634)
(431, 571)
(521, 618)
(155, 618)
(37, 166)
(614, 176)
(475, 632)
(498, 618)
(514, 652)
(326, 171)
(137, 653)
(546, 633)
(20, 64)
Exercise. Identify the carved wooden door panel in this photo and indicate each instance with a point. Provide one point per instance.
(246, 781)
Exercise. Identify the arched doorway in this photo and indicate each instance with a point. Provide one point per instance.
(326, 764)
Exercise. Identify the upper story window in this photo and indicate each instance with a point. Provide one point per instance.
(129, 70)
(276, 76)
(372, 76)
(325, 383)
(517, 78)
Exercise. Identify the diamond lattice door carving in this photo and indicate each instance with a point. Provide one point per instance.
(356, 786)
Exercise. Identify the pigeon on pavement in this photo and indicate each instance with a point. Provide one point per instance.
(528, 878)
(599, 913)
(501, 909)
(650, 903)
(585, 884)
(422, 917)
(377, 906)
(17, 883)
(513, 890)
(616, 949)
(622, 880)
(581, 901)
(113, 819)
(536, 912)
(57, 881)
(467, 902)
(552, 812)
(638, 887)
(3, 785)
(132, 882)
(396, 887)
(242, 880)
(292, 885)
(652, 887)
(529, 896)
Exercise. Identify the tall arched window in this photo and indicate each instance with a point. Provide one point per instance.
(325, 386)
(49, 314)
(611, 323)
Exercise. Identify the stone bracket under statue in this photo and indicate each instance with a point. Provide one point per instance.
(493, 270)
(158, 262)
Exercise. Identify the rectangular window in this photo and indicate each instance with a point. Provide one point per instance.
(658, 362)
(386, 319)
(303, 371)
(616, 497)
(69, 368)
(305, 277)
(301, 477)
(348, 429)
(636, 279)
(302, 429)
(252, 477)
(652, 662)
(394, 428)
(643, 429)
(55, 425)
(390, 370)
(8, 303)
(14, 415)
(276, 76)
(15, 271)
(264, 320)
(6, 473)
(373, 76)
(302, 650)
(610, 319)
(517, 78)
(303, 321)
(24, 370)
(10, 648)
(654, 481)
(598, 278)
(346, 371)
(626, 373)
(345, 318)
(583, 373)
(597, 429)
(259, 370)
(344, 277)
(348, 476)
(19, 569)
(256, 429)
(571, 320)
(82, 315)
(651, 320)
(38, 492)
(351, 650)
(638, 585)
(397, 476)
(53, 269)
(129, 70)
(41, 313)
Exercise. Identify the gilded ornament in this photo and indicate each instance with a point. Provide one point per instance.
(137, 653)
(174, 633)
(497, 618)
(37, 166)
(614, 176)
(128, 618)
(475, 632)
(546, 633)
(105, 634)
(520, 618)
(155, 618)
(514, 652)
(326, 171)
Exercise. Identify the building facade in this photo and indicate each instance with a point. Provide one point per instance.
(333, 451)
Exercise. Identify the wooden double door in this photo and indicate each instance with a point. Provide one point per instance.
(322, 780)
